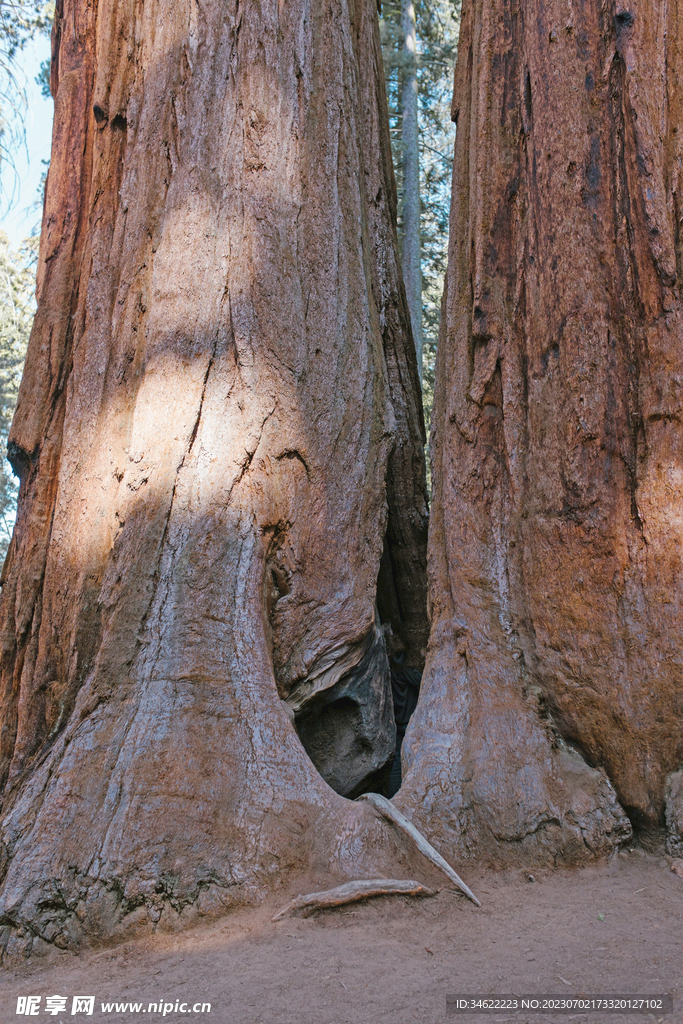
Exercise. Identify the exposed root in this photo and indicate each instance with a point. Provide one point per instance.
(387, 809)
(351, 892)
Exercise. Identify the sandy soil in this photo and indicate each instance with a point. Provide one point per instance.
(614, 928)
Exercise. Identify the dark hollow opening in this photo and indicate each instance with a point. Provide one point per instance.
(353, 732)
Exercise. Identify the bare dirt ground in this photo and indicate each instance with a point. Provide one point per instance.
(613, 928)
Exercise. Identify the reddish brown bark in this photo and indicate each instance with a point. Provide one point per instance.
(218, 423)
(555, 546)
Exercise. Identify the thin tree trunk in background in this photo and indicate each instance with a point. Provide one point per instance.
(555, 546)
(219, 435)
(412, 271)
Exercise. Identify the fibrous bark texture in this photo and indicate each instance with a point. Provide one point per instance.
(219, 435)
(555, 546)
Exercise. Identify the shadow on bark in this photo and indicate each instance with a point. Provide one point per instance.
(219, 431)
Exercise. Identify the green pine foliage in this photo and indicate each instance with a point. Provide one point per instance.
(438, 22)
(17, 306)
(20, 21)
(43, 79)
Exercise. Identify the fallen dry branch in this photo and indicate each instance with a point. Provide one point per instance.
(386, 808)
(351, 892)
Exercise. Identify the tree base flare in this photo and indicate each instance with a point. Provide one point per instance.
(485, 776)
(674, 814)
(225, 439)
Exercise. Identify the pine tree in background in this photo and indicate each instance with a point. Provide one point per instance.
(20, 21)
(17, 306)
(410, 144)
(437, 23)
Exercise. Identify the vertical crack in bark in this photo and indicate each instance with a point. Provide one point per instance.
(178, 665)
(589, 369)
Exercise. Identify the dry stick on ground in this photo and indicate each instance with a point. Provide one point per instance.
(386, 808)
(351, 892)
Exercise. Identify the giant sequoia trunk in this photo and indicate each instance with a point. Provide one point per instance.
(219, 438)
(555, 545)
